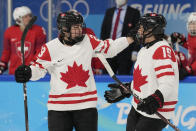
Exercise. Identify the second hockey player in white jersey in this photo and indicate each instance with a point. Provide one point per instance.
(155, 78)
(73, 95)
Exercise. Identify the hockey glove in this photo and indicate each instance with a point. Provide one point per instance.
(184, 72)
(151, 103)
(3, 67)
(133, 33)
(177, 37)
(116, 93)
(23, 74)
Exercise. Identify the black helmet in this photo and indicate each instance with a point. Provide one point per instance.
(153, 24)
(153, 21)
(67, 19)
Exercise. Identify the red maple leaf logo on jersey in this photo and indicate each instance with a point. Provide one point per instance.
(75, 76)
(138, 79)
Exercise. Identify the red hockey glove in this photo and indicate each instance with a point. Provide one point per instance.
(177, 37)
(23, 74)
(184, 72)
(3, 67)
(116, 93)
(151, 103)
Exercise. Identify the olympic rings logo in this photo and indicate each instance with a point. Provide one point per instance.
(56, 10)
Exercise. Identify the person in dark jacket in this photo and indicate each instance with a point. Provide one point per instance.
(117, 22)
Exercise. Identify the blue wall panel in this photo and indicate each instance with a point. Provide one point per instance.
(112, 117)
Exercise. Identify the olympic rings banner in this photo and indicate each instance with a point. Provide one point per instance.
(111, 117)
(175, 11)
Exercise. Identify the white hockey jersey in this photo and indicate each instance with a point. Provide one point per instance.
(72, 82)
(156, 68)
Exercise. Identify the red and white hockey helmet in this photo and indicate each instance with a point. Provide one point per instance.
(191, 24)
(19, 12)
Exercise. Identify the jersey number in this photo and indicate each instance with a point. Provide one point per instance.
(166, 52)
(42, 52)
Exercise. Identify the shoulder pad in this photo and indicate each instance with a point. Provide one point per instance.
(164, 52)
(94, 41)
(44, 53)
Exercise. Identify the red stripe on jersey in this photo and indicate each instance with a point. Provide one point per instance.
(102, 47)
(94, 41)
(165, 74)
(36, 63)
(162, 67)
(73, 94)
(170, 103)
(165, 109)
(108, 45)
(73, 101)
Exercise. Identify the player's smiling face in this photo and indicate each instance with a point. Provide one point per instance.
(192, 28)
(76, 31)
(26, 19)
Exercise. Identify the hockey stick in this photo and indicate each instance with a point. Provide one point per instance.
(111, 73)
(23, 62)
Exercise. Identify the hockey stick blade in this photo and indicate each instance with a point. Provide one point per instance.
(31, 22)
(111, 73)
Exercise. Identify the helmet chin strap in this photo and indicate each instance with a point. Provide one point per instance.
(149, 34)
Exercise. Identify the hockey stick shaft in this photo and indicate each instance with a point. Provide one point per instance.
(111, 73)
(23, 62)
(32, 21)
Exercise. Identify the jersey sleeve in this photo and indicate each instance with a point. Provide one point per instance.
(6, 48)
(40, 37)
(109, 47)
(166, 70)
(41, 63)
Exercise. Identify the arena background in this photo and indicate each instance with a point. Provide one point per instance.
(175, 11)
(111, 117)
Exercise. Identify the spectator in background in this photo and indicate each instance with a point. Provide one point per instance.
(116, 23)
(190, 44)
(35, 38)
(180, 56)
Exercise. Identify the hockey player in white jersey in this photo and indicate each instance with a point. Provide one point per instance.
(73, 95)
(155, 78)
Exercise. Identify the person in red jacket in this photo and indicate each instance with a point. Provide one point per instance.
(180, 55)
(96, 64)
(35, 38)
(190, 44)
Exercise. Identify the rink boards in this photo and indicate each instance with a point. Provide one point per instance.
(111, 117)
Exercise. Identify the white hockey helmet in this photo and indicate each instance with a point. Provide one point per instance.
(19, 12)
(191, 24)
